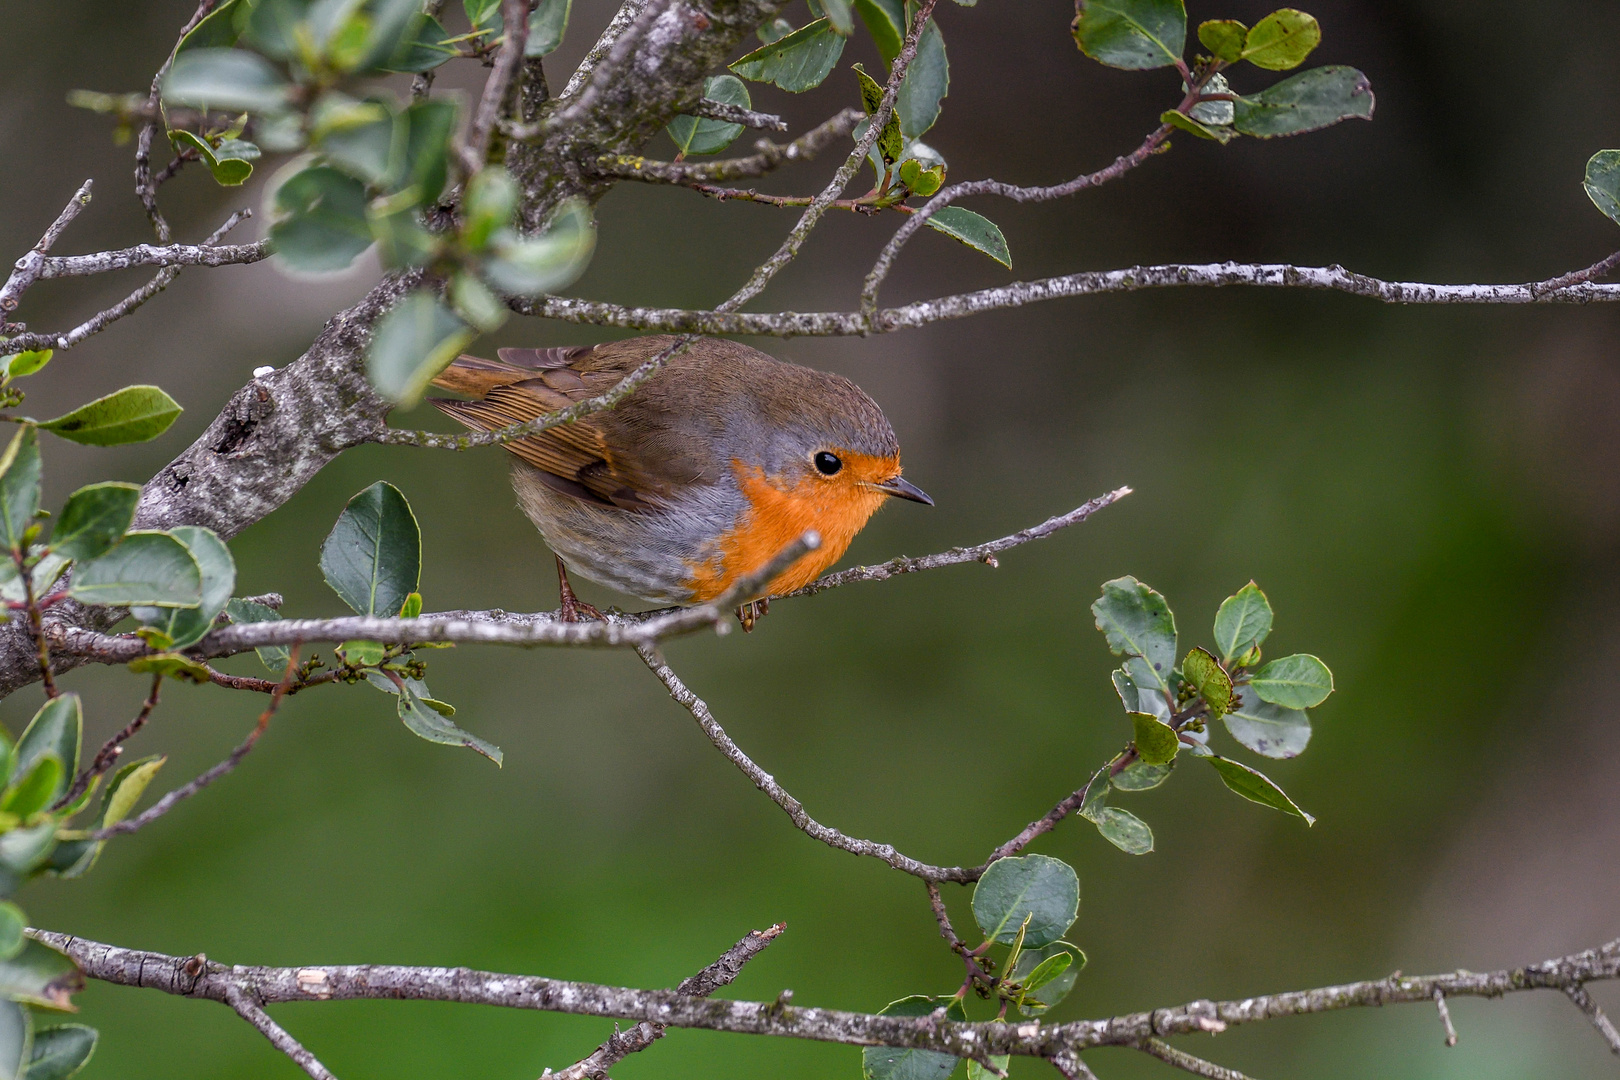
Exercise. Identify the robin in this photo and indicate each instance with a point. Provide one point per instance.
(705, 472)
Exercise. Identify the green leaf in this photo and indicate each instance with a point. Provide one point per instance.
(429, 124)
(1045, 971)
(373, 557)
(219, 29)
(975, 1071)
(40, 975)
(1255, 786)
(476, 302)
(1213, 684)
(1224, 38)
(391, 28)
(841, 15)
(1125, 831)
(927, 81)
(230, 165)
(1132, 34)
(1186, 123)
(1156, 741)
(547, 24)
(127, 787)
(694, 135)
(1268, 729)
(428, 49)
(976, 232)
(886, 21)
(1139, 626)
(55, 731)
(274, 657)
(12, 922)
(362, 653)
(412, 607)
(230, 80)
(524, 267)
(429, 718)
(481, 14)
(1281, 40)
(797, 62)
(319, 220)
(170, 665)
(187, 626)
(361, 138)
(899, 1063)
(415, 341)
(488, 204)
(38, 789)
(150, 568)
(94, 519)
(891, 143)
(1140, 776)
(16, 1040)
(395, 225)
(1602, 182)
(1300, 681)
(919, 179)
(22, 850)
(1309, 101)
(24, 363)
(131, 415)
(1242, 622)
(61, 1051)
(1042, 889)
(775, 30)
(19, 487)
(1039, 999)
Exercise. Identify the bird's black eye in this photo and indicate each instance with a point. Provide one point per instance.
(827, 462)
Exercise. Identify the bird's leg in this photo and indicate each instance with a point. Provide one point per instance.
(750, 614)
(572, 606)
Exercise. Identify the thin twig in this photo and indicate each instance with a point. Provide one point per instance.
(787, 324)
(103, 262)
(736, 114)
(169, 801)
(1602, 268)
(1185, 1061)
(515, 16)
(769, 156)
(107, 756)
(1445, 1016)
(100, 321)
(145, 185)
(422, 83)
(779, 795)
(1583, 1001)
(622, 1044)
(268, 985)
(36, 625)
(30, 267)
(247, 1009)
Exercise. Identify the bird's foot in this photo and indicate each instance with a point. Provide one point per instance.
(749, 614)
(573, 608)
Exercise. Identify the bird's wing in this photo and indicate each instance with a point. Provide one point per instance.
(597, 458)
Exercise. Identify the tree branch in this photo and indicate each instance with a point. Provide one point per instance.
(203, 254)
(720, 973)
(197, 977)
(1583, 1001)
(30, 267)
(238, 999)
(769, 157)
(736, 114)
(1187, 1062)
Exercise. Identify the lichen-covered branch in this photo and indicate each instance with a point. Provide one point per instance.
(200, 978)
(769, 156)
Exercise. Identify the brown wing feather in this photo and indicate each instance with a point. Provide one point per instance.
(579, 456)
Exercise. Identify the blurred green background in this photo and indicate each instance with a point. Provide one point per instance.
(1429, 496)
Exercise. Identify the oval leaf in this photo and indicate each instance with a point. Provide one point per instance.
(151, 568)
(319, 220)
(1242, 622)
(886, 21)
(17, 365)
(19, 486)
(900, 1063)
(12, 923)
(1255, 786)
(61, 1051)
(1224, 38)
(1140, 776)
(1300, 681)
(430, 720)
(1132, 34)
(39, 975)
(1125, 830)
(94, 519)
(927, 81)
(1309, 101)
(1268, 729)
(232, 80)
(187, 626)
(16, 1039)
(1213, 684)
(978, 233)
(1603, 182)
(797, 62)
(547, 24)
(696, 135)
(1138, 624)
(373, 556)
(1281, 40)
(274, 657)
(1044, 890)
(1156, 741)
(126, 789)
(415, 341)
(133, 414)
(55, 731)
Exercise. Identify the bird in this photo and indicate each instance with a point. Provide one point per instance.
(700, 476)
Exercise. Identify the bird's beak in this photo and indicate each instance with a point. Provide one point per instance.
(901, 488)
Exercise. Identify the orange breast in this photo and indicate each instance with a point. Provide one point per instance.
(776, 517)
